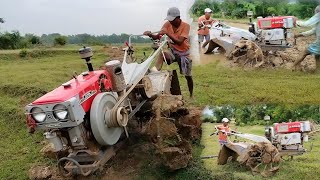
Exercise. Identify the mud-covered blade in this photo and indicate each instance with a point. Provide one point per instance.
(252, 137)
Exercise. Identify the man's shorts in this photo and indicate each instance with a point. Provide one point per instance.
(171, 58)
(314, 48)
(223, 142)
(201, 37)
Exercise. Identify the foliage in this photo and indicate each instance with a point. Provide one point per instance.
(223, 112)
(208, 118)
(104, 39)
(279, 113)
(255, 114)
(23, 53)
(33, 39)
(10, 40)
(200, 5)
(61, 40)
(239, 8)
(1, 20)
(13, 40)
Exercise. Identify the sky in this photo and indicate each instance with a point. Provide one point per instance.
(87, 16)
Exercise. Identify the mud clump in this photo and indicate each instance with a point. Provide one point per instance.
(309, 64)
(247, 55)
(164, 129)
(190, 125)
(177, 157)
(48, 151)
(172, 130)
(263, 153)
(261, 157)
(40, 172)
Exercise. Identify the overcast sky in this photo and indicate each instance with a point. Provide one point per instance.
(87, 16)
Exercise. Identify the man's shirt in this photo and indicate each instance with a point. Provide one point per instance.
(183, 30)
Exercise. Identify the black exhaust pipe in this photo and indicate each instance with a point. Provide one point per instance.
(86, 54)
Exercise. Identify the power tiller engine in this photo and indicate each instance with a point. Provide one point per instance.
(85, 117)
(274, 32)
(289, 137)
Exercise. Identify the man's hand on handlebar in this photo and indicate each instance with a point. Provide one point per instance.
(152, 35)
(147, 33)
(298, 35)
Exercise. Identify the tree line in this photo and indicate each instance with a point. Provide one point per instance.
(238, 8)
(14, 40)
(255, 114)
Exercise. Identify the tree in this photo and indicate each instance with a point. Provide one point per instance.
(32, 39)
(1, 20)
(35, 40)
(61, 40)
(199, 6)
(10, 40)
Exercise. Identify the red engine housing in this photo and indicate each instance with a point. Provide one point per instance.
(277, 22)
(86, 86)
(289, 127)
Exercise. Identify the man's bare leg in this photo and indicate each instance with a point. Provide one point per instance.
(190, 85)
(301, 58)
(159, 62)
(205, 44)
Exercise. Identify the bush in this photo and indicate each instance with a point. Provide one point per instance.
(206, 118)
(23, 53)
(34, 40)
(223, 112)
(61, 40)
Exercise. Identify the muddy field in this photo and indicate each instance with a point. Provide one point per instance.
(255, 58)
(161, 136)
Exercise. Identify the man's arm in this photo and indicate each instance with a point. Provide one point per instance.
(153, 36)
(309, 33)
(212, 22)
(157, 35)
(200, 22)
(310, 22)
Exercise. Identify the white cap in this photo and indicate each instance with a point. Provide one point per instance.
(208, 10)
(225, 120)
(172, 13)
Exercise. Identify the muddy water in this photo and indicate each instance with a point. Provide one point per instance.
(197, 53)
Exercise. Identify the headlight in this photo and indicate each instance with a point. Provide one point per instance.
(38, 114)
(60, 111)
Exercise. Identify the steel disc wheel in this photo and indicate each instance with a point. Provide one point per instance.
(99, 114)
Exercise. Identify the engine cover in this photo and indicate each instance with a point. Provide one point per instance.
(286, 22)
(289, 127)
(273, 34)
(75, 95)
(289, 139)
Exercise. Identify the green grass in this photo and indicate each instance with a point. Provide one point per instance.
(24, 80)
(301, 167)
(216, 85)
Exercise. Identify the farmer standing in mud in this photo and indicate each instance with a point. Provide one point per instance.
(224, 130)
(313, 48)
(178, 34)
(205, 22)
